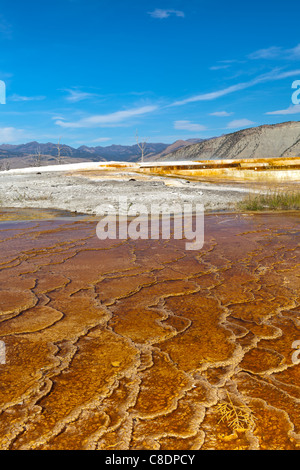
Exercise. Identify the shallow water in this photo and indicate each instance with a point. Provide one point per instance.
(135, 344)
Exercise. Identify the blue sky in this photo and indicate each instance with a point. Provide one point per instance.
(92, 72)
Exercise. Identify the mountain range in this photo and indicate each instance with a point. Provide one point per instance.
(24, 155)
(275, 140)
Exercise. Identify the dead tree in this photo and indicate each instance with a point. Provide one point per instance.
(37, 157)
(6, 166)
(142, 146)
(60, 158)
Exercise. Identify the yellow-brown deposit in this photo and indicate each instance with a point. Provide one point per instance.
(144, 345)
(263, 169)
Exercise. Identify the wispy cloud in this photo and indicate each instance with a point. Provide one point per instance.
(210, 96)
(75, 95)
(269, 53)
(293, 109)
(219, 67)
(107, 120)
(5, 28)
(101, 139)
(188, 126)
(4, 75)
(238, 123)
(276, 52)
(221, 114)
(11, 135)
(26, 98)
(161, 14)
(274, 75)
(226, 64)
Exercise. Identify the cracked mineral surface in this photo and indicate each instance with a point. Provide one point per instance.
(134, 344)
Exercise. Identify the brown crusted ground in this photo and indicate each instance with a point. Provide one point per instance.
(133, 344)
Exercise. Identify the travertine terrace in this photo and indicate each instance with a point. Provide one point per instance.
(218, 185)
(254, 170)
(136, 344)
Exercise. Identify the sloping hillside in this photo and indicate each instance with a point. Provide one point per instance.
(172, 148)
(278, 140)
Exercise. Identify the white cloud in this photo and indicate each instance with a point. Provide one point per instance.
(107, 120)
(58, 118)
(75, 95)
(293, 109)
(101, 139)
(269, 53)
(4, 75)
(5, 28)
(188, 126)
(93, 141)
(275, 75)
(221, 114)
(26, 98)
(11, 135)
(219, 67)
(165, 13)
(295, 52)
(275, 52)
(236, 124)
(268, 77)
(210, 96)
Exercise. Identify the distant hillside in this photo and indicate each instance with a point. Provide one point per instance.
(123, 152)
(24, 155)
(278, 140)
(171, 148)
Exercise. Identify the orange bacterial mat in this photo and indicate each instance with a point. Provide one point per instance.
(141, 344)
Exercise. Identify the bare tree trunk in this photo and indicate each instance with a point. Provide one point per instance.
(58, 158)
(142, 146)
(38, 157)
(6, 166)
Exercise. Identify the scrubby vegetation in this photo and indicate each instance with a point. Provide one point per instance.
(273, 200)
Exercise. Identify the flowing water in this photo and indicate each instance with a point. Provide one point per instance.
(141, 344)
